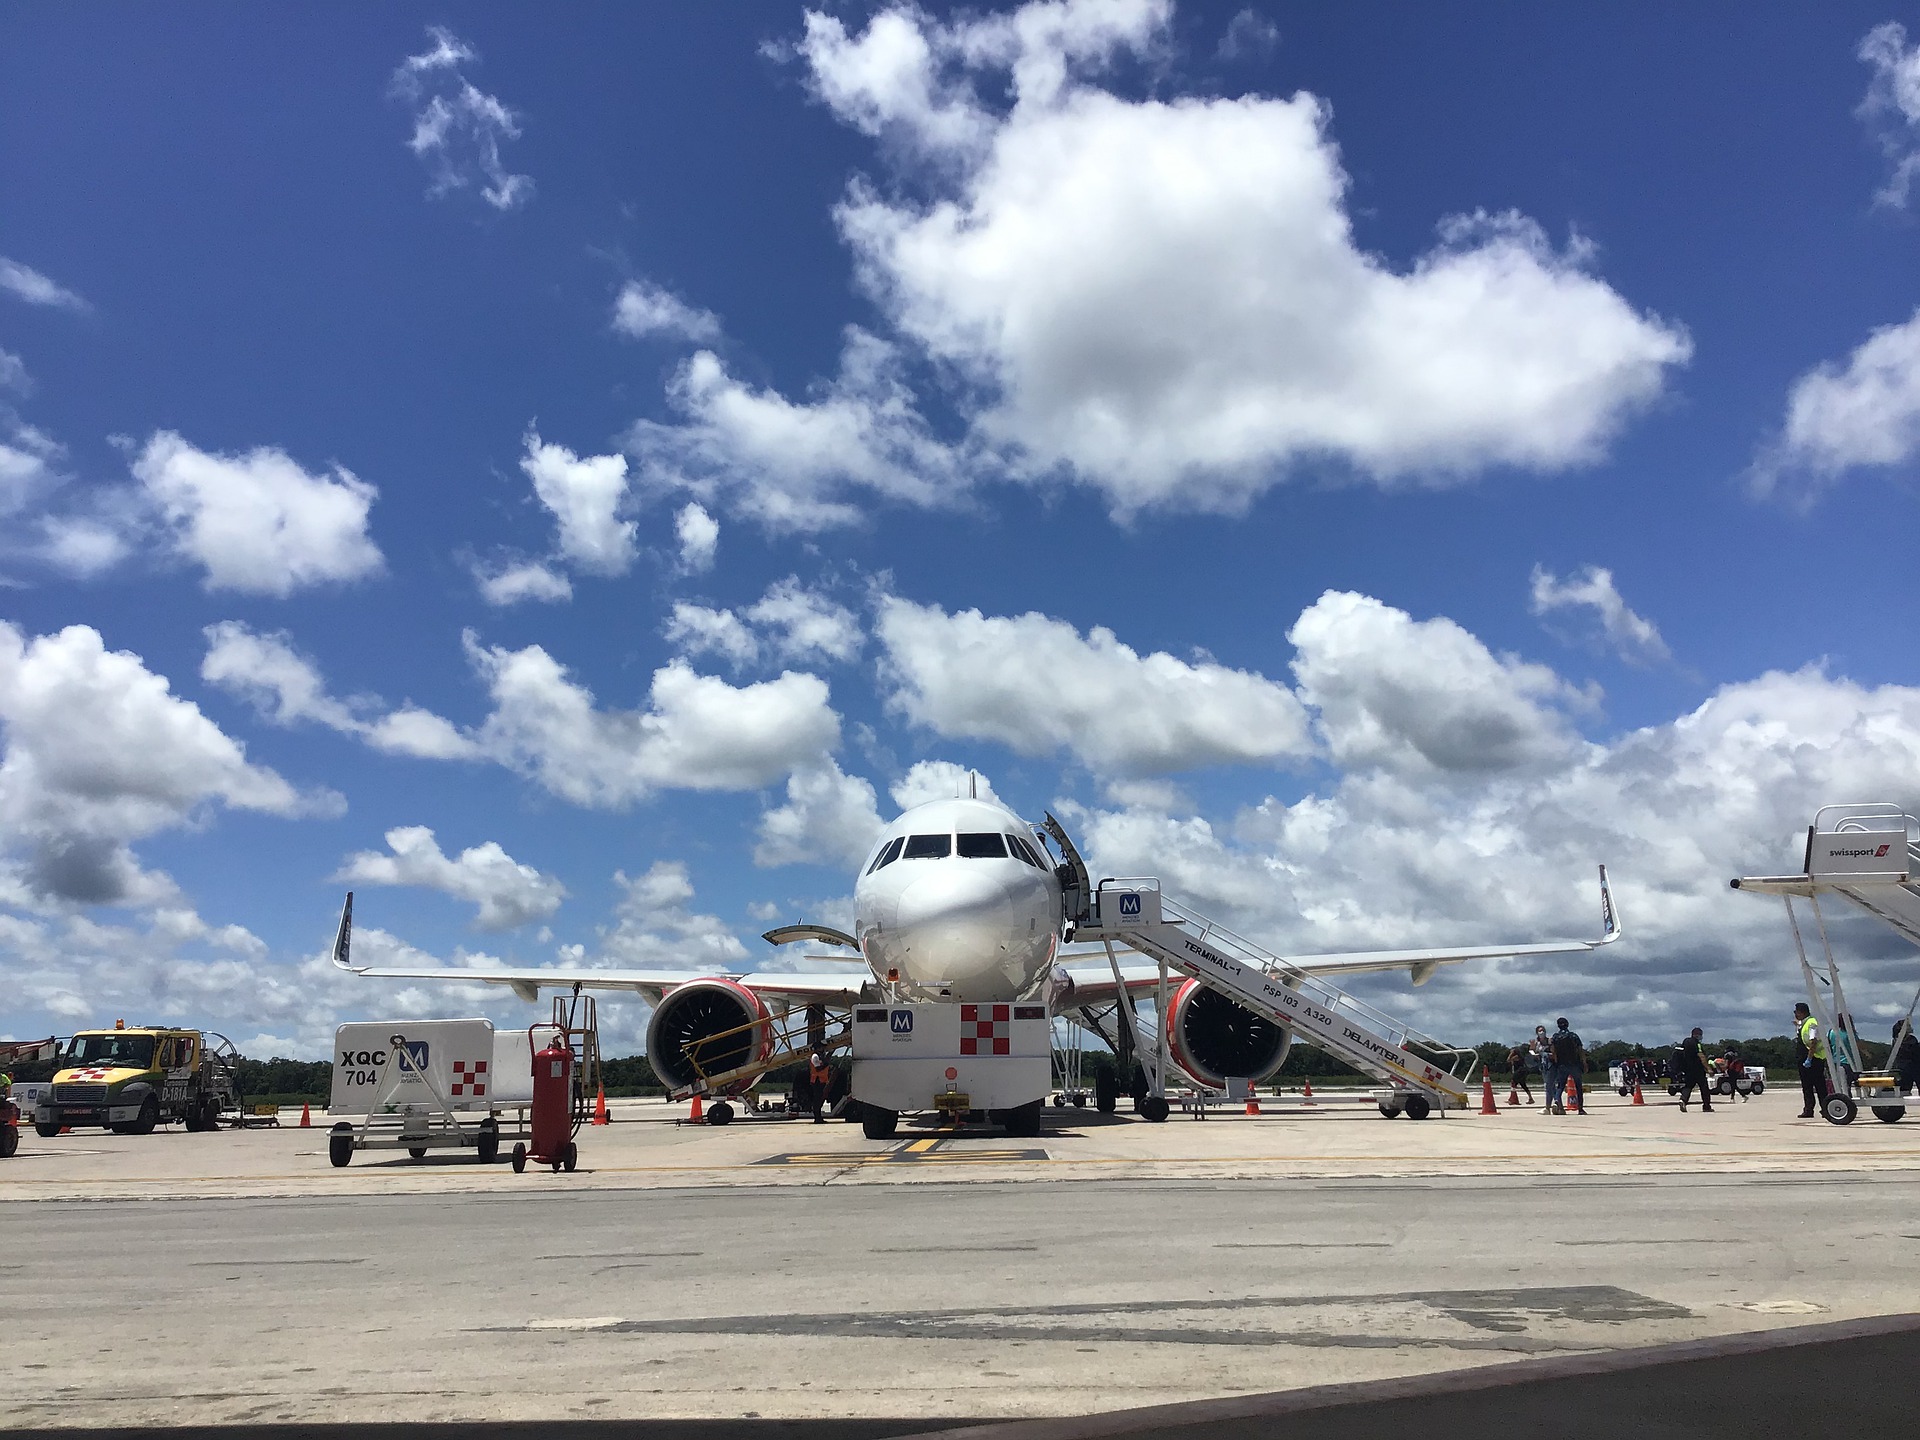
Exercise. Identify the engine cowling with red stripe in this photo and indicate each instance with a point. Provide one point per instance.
(1211, 1037)
(701, 1021)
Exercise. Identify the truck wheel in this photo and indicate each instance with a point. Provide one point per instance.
(340, 1150)
(878, 1124)
(45, 1132)
(1418, 1107)
(570, 1157)
(1154, 1108)
(148, 1118)
(1024, 1119)
(519, 1157)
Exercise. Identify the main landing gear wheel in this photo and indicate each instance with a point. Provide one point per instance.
(1889, 1113)
(1418, 1107)
(1024, 1119)
(519, 1157)
(877, 1123)
(1154, 1108)
(720, 1113)
(1106, 1092)
(340, 1148)
(1839, 1109)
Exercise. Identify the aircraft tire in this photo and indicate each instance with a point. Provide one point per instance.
(877, 1123)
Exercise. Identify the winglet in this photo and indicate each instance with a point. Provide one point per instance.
(343, 939)
(1609, 916)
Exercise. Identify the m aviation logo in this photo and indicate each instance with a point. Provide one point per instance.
(902, 1022)
(1129, 904)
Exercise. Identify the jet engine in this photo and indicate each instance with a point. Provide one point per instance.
(706, 1021)
(1211, 1037)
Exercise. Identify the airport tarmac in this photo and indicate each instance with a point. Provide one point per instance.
(784, 1269)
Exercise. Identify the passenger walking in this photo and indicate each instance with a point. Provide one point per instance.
(1693, 1071)
(1541, 1054)
(1904, 1062)
(1520, 1062)
(1810, 1052)
(1569, 1065)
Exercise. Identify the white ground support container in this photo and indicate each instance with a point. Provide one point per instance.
(951, 1057)
(418, 1085)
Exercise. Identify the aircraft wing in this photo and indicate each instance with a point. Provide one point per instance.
(1095, 985)
(650, 985)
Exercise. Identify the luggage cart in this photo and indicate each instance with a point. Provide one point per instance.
(428, 1085)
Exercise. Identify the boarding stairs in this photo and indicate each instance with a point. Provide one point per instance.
(1884, 881)
(1422, 1073)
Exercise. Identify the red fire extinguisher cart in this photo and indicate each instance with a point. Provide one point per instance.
(556, 1115)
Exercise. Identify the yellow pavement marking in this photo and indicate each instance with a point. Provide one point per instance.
(921, 1147)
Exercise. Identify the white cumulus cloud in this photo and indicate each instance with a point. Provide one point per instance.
(701, 630)
(699, 537)
(938, 780)
(1631, 636)
(99, 753)
(507, 893)
(1424, 696)
(829, 818)
(519, 580)
(656, 926)
(791, 621)
(1037, 685)
(23, 282)
(257, 522)
(457, 128)
(1892, 107)
(1164, 297)
(585, 495)
(643, 309)
(1864, 413)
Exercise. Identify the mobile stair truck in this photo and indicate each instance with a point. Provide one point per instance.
(1867, 855)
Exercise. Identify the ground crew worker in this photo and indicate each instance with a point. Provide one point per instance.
(1810, 1049)
(1693, 1071)
(1569, 1064)
(820, 1078)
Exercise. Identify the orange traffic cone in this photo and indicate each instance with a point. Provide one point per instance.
(1638, 1098)
(1306, 1092)
(306, 1116)
(1487, 1107)
(1253, 1102)
(699, 1111)
(1513, 1094)
(600, 1107)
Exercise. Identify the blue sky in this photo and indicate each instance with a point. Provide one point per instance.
(1363, 466)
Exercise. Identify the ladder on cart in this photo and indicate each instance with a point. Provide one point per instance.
(1867, 855)
(1421, 1073)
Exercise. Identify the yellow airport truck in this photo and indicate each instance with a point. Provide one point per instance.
(130, 1080)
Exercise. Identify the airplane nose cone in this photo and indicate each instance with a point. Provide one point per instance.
(955, 924)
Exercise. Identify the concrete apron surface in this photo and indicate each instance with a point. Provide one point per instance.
(1206, 1260)
(647, 1146)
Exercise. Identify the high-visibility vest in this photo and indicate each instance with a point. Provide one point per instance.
(1811, 1038)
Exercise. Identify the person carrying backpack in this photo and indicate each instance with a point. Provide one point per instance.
(1568, 1069)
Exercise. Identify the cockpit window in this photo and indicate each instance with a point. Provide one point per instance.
(1024, 851)
(887, 856)
(928, 847)
(983, 846)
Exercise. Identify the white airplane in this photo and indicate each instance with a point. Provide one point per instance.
(958, 901)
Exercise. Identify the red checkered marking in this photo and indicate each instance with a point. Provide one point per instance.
(91, 1072)
(469, 1077)
(985, 1025)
